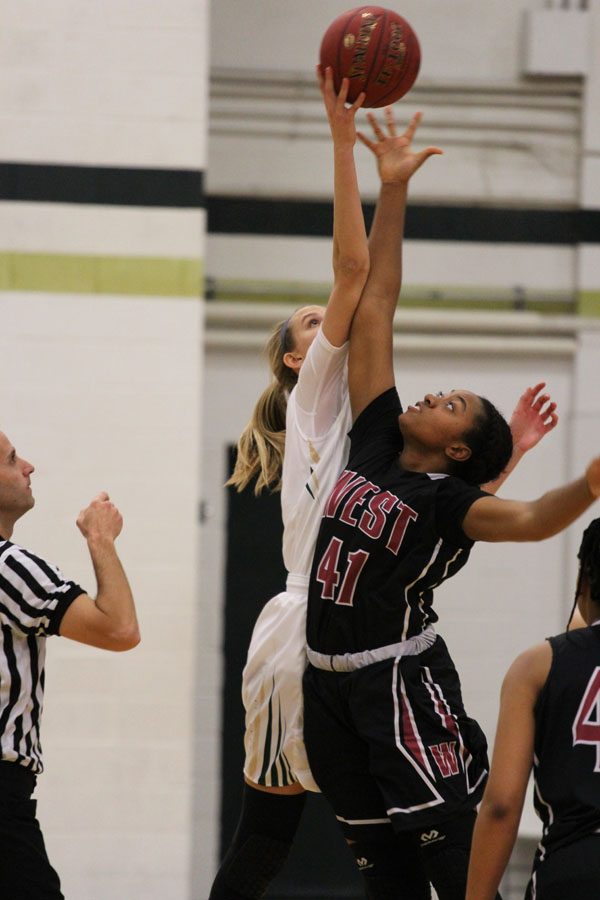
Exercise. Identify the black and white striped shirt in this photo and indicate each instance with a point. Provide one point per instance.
(34, 597)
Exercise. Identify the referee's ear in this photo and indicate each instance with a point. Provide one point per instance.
(458, 452)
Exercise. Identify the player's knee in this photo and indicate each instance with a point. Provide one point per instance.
(385, 879)
(260, 846)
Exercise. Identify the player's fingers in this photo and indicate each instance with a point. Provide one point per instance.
(343, 94)
(358, 102)
(426, 153)
(412, 126)
(551, 423)
(540, 401)
(365, 140)
(376, 127)
(532, 391)
(549, 411)
(389, 121)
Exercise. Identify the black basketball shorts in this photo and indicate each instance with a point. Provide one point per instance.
(392, 741)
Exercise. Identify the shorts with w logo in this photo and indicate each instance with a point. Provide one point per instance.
(392, 742)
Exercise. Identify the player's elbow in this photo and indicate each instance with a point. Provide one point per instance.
(125, 638)
(500, 808)
(352, 268)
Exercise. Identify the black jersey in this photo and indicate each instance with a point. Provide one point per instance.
(387, 538)
(567, 740)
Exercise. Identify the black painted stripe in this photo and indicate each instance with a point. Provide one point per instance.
(261, 216)
(102, 185)
(184, 188)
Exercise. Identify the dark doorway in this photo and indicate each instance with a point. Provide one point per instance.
(320, 865)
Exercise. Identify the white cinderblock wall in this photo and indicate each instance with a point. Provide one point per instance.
(103, 391)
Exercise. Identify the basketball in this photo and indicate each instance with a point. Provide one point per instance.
(376, 49)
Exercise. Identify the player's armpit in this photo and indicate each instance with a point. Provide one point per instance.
(86, 623)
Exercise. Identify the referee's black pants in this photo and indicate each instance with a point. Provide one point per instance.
(25, 870)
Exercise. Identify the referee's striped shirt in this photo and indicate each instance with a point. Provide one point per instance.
(34, 597)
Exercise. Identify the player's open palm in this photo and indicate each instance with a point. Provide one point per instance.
(534, 417)
(396, 159)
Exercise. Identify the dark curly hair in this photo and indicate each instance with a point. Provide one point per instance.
(589, 561)
(589, 565)
(491, 445)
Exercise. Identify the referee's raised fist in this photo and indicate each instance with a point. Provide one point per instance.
(101, 519)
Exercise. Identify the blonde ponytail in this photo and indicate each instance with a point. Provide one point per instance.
(261, 445)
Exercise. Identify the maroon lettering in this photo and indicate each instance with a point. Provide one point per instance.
(345, 483)
(356, 562)
(586, 726)
(444, 755)
(404, 518)
(374, 517)
(327, 572)
(356, 499)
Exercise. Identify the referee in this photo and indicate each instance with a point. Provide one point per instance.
(36, 600)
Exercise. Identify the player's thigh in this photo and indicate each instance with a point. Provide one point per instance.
(272, 694)
(338, 756)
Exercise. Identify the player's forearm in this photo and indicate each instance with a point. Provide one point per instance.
(557, 509)
(385, 244)
(493, 839)
(350, 248)
(113, 597)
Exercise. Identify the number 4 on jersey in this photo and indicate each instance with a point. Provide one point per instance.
(329, 574)
(586, 727)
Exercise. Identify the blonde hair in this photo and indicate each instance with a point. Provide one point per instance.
(261, 445)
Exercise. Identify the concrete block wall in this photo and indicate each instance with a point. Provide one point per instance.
(512, 143)
(103, 111)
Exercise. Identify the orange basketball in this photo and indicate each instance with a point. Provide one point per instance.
(376, 49)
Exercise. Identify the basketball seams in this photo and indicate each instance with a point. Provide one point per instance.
(368, 59)
(411, 62)
(375, 53)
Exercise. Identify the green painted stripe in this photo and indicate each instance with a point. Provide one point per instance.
(550, 302)
(589, 303)
(74, 274)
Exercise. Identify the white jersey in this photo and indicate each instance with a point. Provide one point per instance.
(316, 448)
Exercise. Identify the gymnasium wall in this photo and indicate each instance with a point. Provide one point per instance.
(103, 110)
(511, 211)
